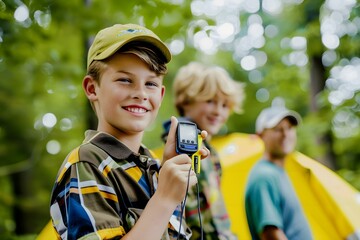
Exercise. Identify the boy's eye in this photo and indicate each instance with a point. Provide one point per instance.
(125, 80)
(152, 84)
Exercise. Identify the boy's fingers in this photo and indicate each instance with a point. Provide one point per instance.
(204, 152)
(181, 159)
(204, 134)
(173, 126)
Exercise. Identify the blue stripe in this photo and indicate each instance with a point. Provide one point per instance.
(79, 224)
(144, 185)
(73, 184)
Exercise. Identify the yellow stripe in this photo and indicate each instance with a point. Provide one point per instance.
(111, 233)
(89, 190)
(134, 172)
(61, 174)
(105, 234)
(73, 158)
(106, 170)
(109, 196)
(74, 190)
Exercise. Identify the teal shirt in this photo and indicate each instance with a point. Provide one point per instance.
(271, 200)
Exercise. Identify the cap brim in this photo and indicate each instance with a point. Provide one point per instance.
(271, 122)
(295, 120)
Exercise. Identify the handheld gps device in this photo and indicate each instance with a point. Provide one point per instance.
(188, 141)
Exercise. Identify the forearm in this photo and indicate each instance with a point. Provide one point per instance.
(153, 220)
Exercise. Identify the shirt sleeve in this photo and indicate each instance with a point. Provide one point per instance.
(84, 204)
(265, 205)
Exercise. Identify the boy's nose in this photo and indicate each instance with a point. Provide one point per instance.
(140, 92)
(218, 108)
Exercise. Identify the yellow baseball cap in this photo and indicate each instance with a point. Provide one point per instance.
(108, 40)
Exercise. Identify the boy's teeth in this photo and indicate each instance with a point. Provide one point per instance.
(137, 110)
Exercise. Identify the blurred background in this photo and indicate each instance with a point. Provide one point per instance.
(299, 53)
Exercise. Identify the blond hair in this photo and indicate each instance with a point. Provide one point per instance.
(196, 82)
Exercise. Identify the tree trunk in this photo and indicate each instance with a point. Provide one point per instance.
(317, 84)
(317, 75)
(23, 193)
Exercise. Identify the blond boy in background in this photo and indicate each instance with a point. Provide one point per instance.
(207, 95)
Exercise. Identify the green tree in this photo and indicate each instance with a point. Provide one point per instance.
(279, 50)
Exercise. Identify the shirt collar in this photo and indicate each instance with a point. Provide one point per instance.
(114, 147)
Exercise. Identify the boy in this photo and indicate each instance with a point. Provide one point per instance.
(207, 95)
(105, 188)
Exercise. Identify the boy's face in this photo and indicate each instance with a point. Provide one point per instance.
(209, 115)
(280, 140)
(128, 97)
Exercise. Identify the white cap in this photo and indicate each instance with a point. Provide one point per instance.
(270, 117)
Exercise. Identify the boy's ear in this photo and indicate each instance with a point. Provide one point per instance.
(89, 86)
(162, 92)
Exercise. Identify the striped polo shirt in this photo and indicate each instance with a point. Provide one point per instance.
(102, 188)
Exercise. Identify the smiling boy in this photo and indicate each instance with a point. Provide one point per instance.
(110, 187)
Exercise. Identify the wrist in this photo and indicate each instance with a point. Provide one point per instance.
(165, 200)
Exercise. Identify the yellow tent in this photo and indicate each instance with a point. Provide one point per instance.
(47, 233)
(331, 205)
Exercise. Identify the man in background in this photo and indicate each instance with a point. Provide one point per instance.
(272, 208)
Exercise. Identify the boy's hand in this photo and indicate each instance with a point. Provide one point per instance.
(170, 145)
(174, 173)
(173, 179)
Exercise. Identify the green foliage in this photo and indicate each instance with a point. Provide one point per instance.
(351, 176)
(42, 63)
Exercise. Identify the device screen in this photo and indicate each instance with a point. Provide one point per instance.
(188, 133)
